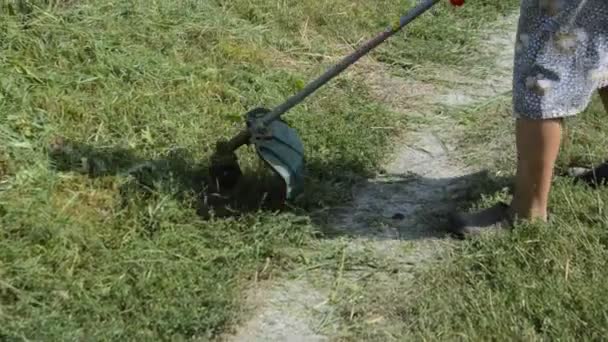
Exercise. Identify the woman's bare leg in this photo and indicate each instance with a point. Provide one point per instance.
(538, 143)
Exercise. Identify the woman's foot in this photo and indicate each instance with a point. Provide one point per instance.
(496, 218)
(592, 177)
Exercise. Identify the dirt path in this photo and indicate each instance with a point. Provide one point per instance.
(400, 206)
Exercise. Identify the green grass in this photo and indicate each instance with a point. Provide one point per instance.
(116, 253)
(97, 258)
(541, 282)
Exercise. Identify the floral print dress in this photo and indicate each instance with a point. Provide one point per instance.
(561, 57)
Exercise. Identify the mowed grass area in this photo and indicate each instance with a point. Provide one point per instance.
(540, 282)
(113, 252)
(543, 282)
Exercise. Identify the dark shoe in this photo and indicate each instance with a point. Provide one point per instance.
(592, 177)
(495, 218)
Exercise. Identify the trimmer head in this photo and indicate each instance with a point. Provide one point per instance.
(280, 147)
(225, 171)
(277, 144)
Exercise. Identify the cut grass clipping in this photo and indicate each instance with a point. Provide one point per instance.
(110, 245)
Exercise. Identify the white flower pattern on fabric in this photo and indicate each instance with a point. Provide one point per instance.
(561, 57)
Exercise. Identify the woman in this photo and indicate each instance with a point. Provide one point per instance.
(561, 59)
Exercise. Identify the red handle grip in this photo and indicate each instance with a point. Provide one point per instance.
(457, 2)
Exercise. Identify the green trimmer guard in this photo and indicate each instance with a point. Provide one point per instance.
(282, 150)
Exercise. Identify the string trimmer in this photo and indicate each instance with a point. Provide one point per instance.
(279, 145)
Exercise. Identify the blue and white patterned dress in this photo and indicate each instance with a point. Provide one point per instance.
(561, 57)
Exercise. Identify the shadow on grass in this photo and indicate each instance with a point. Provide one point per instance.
(407, 207)
(176, 173)
(188, 179)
